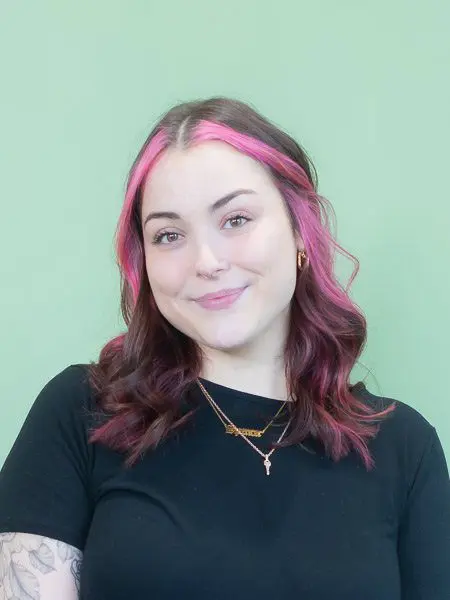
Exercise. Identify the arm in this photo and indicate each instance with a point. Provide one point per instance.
(37, 567)
(424, 534)
(45, 495)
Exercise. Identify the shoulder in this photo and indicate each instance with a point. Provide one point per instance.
(404, 420)
(64, 397)
(404, 436)
(71, 378)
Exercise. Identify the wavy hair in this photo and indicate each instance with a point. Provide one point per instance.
(142, 374)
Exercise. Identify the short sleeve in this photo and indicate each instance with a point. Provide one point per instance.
(45, 482)
(424, 534)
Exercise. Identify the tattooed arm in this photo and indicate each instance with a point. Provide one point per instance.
(38, 568)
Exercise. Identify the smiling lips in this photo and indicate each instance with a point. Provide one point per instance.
(220, 299)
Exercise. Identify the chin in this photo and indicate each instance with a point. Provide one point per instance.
(225, 340)
(224, 346)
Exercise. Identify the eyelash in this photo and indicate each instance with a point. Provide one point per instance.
(158, 237)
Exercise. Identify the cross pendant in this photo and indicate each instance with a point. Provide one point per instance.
(267, 464)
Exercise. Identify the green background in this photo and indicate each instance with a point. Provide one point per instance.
(364, 86)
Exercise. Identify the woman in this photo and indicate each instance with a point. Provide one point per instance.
(217, 449)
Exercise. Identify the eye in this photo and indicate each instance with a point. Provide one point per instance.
(165, 238)
(237, 221)
(171, 237)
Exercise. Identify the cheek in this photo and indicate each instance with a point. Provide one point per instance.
(272, 250)
(165, 280)
(274, 258)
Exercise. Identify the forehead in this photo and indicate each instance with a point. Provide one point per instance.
(203, 172)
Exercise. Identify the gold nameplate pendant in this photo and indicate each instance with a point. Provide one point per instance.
(247, 432)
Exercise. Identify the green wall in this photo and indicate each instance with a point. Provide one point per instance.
(364, 86)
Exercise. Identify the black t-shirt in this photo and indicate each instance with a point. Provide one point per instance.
(198, 518)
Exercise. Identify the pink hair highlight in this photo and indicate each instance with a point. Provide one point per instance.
(130, 254)
(208, 131)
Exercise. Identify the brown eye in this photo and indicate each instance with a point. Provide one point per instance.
(236, 221)
(171, 236)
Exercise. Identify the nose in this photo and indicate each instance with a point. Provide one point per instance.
(208, 261)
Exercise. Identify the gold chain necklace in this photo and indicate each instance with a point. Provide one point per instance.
(234, 430)
(219, 412)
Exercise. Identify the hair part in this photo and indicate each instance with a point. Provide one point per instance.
(142, 375)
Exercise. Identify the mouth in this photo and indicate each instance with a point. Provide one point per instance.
(220, 299)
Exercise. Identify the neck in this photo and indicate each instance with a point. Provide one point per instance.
(262, 376)
(257, 367)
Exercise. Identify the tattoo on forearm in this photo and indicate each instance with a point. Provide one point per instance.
(22, 564)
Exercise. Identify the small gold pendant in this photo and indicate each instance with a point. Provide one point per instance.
(248, 432)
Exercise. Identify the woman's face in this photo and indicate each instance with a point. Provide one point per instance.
(200, 246)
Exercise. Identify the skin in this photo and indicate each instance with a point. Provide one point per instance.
(34, 566)
(249, 241)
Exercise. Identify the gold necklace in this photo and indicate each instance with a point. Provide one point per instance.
(219, 412)
(234, 430)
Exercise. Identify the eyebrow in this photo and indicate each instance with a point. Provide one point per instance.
(213, 208)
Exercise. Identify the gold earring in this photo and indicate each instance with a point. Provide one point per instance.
(300, 257)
